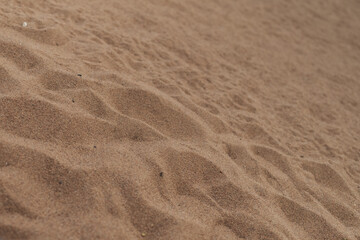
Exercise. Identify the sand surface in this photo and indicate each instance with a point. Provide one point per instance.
(168, 119)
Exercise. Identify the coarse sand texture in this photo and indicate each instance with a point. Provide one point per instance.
(180, 119)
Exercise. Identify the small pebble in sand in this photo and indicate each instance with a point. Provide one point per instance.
(24, 24)
(79, 75)
(60, 182)
(94, 146)
(161, 174)
(143, 234)
(73, 100)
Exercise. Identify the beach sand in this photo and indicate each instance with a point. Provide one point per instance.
(165, 119)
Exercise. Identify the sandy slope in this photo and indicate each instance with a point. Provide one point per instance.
(190, 120)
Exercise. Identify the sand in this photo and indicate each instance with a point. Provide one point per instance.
(165, 119)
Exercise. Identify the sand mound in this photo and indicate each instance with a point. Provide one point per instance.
(180, 120)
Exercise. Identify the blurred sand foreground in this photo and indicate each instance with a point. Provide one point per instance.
(165, 119)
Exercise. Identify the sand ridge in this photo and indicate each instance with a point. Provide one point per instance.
(180, 119)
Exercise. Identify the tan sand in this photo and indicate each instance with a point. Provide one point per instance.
(168, 119)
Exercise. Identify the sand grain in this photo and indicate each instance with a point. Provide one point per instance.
(180, 119)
